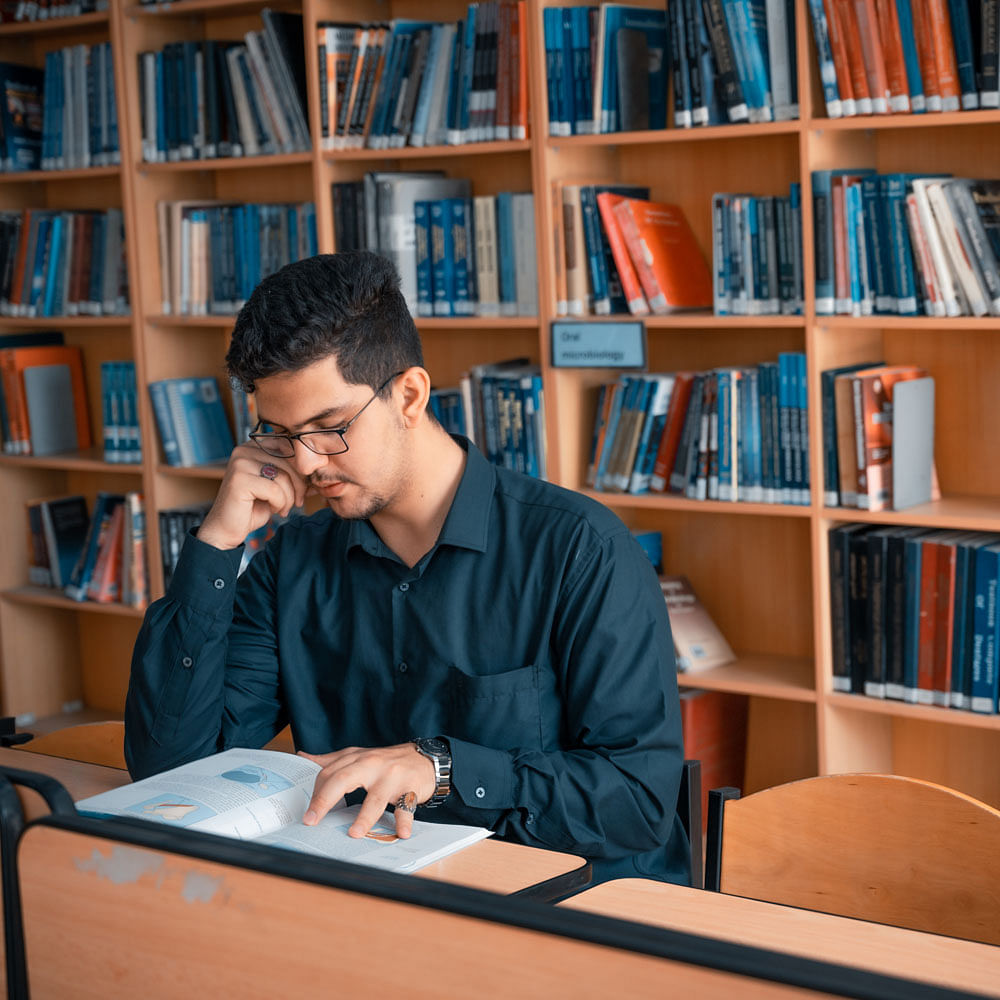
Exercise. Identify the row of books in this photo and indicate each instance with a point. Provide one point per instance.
(865, 416)
(913, 614)
(906, 244)
(214, 98)
(610, 68)
(43, 395)
(120, 413)
(174, 524)
(730, 434)
(63, 263)
(191, 420)
(907, 56)
(423, 83)
(214, 253)
(757, 254)
(90, 556)
(45, 10)
(618, 252)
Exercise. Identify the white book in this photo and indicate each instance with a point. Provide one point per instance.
(525, 255)
(950, 289)
(244, 117)
(270, 103)
(487, 267)
(964, 268)
(262, 795)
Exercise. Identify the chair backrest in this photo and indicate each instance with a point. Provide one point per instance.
(689, 811)
(880, 847)
(92, 742)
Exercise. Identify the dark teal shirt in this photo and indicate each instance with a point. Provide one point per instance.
(533, 636)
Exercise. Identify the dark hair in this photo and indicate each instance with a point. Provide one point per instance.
(343, 304)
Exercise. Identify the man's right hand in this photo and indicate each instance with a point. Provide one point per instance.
(247, 497)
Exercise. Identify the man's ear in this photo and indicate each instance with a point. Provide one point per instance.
(414, 385)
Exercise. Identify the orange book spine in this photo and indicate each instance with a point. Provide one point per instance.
(631, 287)
(944, 54)
(855, 58)
(20, 262)
(105, 583)
(13, 443)
(351, 78)
(27, 357)
(871, 53)
(926, 54)
(521, 109)
(372, 90)
(841, 268)
(666, 450)
(892, 50)
(638, 252)
(841, 65)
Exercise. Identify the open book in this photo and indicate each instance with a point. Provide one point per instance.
(262, 795)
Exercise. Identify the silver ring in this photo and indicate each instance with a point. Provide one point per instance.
(269, 471)
(407, 802)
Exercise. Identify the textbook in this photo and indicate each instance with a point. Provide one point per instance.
(262, 795)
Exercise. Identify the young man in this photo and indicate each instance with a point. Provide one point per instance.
(446, 633)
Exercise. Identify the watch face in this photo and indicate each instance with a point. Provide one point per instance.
(435, 746)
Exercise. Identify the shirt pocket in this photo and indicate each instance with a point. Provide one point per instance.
(496, 710)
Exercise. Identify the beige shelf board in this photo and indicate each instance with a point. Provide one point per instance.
(183, 7)
(89, 460)
(865, 123)
(56, 25)
(938, 324)
(193, 471)
(224, 162)
(224, 322)
(709, 321)
(433, 152)
(65, 322)
(969, 513)
(709, 133)
(670, 501)
(905, 710)
(761, 675)
(51, 598)
(79, 174)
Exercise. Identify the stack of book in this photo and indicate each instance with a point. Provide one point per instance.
(913, 614)
(905, 56)
(214, 98)
(423, 83)
(62, 263)
(906, 244)
(214, 253)
(98, 556)
(610, 68)
(456, 254)
(43, 396)
(120, 409)
(730, 434)
(618, 252)
(757, 254)
(192, 422)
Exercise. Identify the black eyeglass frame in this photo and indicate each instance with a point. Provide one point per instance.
(256, 436)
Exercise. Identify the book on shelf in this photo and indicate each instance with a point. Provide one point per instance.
(21, 90)
(193, 426)
(174, 523)
(63, 522)
(44, 400)
(104, 586)
(262, 795)
(78, 584)
(698, 643)
(122, 436)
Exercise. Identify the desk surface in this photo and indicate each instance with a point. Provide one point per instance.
(895, 951)
(493, 865)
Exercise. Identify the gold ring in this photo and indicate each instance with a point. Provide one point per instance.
(407, 802)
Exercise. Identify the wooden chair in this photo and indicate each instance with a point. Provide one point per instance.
(91, 742)
(880, 847)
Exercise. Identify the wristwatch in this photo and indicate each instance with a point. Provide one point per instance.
(437, 751)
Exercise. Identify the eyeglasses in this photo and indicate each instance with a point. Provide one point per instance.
(326, 441)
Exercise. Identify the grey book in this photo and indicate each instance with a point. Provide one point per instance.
(48, 391)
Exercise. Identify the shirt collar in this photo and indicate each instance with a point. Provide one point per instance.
(467, 523)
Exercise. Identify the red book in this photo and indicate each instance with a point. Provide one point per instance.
(838, 48)
(944, 54)
(671, 267)
(892, 51)
(871, 53)
(944, 625)
(666, 450)
(632, 289)
(926, 53)
(855, 57)
(105, 582)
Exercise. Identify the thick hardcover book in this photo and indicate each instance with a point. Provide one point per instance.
(262, 795)
(844, 599)
(193, 425)
(64, 524)
(698, 643)
(831, 453)
(983, 685)
(896, 609)
(631, 292)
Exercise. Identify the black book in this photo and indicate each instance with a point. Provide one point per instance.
(632, 59)
(728, 80)
(21, 89)
(838, 540)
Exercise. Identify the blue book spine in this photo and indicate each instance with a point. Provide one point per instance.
(903, 274)
(204, 419)
(827, 71)
(567, 71)
(421, 113)
(738, 26)
(468, 62)
(583, 90)
(459, 212)
(723, 402)
(52, 302)
(425, 266)
(914, 78)
(720, 254)
(913, 558)
(769, 483)
(614, 415)
(823, 241)
(505, 253)
(528, 429)
(109, 417)
(552, 24)
(984, 639)
(442, 260)
(962, 632)
(875, 209)
(131, 412)
(852, 210)
(802, 403)
(164, 422)
(755, 479)
(595, 250)
(965, 58)
(680, 67)
(455, 85)
(789, 480)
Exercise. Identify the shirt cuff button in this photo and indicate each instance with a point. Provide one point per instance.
(187, 662)
(220, 583)
(480, 792)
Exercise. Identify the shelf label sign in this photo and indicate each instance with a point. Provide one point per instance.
(598, 344)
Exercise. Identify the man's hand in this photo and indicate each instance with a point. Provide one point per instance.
(386, 773)
(254, 487)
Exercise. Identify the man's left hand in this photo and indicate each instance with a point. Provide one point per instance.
(386, 774)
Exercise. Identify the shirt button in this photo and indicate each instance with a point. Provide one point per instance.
(480, 792)
(220, 583)
(404, 587)
(530, 819)
(187, 662)
(403, 667)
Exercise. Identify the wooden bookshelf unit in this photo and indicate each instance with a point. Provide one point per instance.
(762, 570)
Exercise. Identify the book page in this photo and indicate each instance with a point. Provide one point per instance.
(238, 793)
(381, 848)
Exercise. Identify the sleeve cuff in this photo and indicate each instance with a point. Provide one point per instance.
(205, 577)
(482, 778)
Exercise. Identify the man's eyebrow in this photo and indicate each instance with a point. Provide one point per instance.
(325, 417)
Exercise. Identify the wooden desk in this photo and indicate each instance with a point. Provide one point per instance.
(895, 951)
(491, 865)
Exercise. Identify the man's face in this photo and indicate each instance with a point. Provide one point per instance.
(373, 472)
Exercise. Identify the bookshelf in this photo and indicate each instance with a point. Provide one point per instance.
(760, 569)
